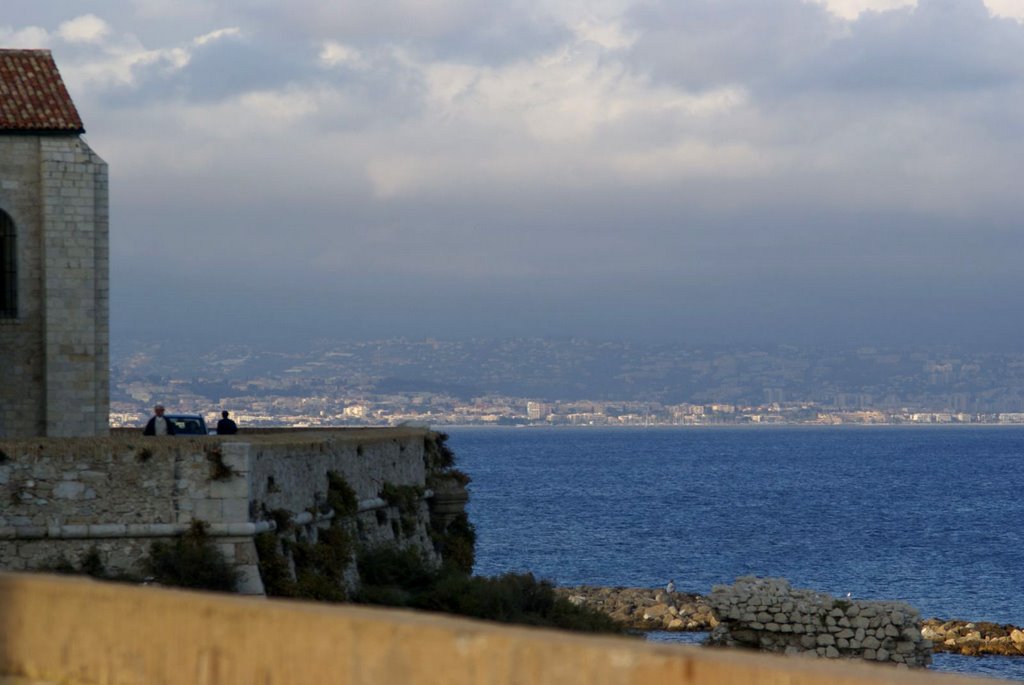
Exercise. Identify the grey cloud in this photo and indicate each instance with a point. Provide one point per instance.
(788, 46)
(940, 46)
(886, 207)
(216, 71)
(475, 31)
(707, 43)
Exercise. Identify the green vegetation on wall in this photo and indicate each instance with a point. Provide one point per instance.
(340, 495)
(219, 470)
(405, 498)
(439, 460)
(91, 564)
(311, 562)
(191, 561)
(437, 456)
(456, 542)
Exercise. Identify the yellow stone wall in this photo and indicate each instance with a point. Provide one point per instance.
(83, 632)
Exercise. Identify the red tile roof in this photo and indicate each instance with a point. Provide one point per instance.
(32, 94)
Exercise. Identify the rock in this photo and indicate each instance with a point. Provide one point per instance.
(911, 634)
(655, 612)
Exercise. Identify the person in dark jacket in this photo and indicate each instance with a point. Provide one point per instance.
(226, 426)
(158, 425)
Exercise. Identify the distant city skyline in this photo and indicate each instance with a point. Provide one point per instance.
(566, 382)
(744, 171)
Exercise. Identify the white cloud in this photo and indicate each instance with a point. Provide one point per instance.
(334, 54)
(607, 34)
(87, 28)
(24, 38)
(118, 65)
(1010, 9)
(212, 36)
(851, 9)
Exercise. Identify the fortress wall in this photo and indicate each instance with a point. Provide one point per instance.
(285, 473)
(76, 630)
(116, 494)
(293, 476)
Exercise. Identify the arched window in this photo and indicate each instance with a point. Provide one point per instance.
(8, 269)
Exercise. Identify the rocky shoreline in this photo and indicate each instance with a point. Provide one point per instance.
(974, 638)
(644, 609)
(647, 609)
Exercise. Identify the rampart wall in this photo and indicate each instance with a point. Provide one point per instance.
(115, 495)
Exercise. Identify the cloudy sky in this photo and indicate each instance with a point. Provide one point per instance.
(802, 171)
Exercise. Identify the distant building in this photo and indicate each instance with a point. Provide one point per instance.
(54, 330)
(537, 411)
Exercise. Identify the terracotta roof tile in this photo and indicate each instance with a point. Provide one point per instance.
(32, 94)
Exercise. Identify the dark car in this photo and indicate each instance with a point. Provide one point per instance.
(187, 424)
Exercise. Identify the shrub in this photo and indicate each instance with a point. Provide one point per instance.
(401, 577)
(320, 566)
(512, 598)
(340, 495)
(191, 561)
(437, 456)
(392, 566)
(282, 520)
(405, 497)
(219, 470)
(456, 543)
(92, 564)
(275, 571)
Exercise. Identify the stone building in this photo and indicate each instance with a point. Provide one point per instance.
(54, 312)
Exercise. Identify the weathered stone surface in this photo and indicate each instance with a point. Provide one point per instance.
(818, 623)
(974, 638)
(640, 608)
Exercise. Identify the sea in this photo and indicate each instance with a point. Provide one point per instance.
(933, 516)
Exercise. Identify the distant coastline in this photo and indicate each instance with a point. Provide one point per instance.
(728, 426)
(651, 609)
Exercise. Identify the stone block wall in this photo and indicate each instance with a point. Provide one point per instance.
(768, 614)
(54, 379)
(22, 373)
(116, 494)
(76, 287)
(293, 477)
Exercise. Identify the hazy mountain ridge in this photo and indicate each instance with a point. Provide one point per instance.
(575, 369)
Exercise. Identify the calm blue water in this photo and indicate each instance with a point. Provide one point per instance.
(931, 516)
